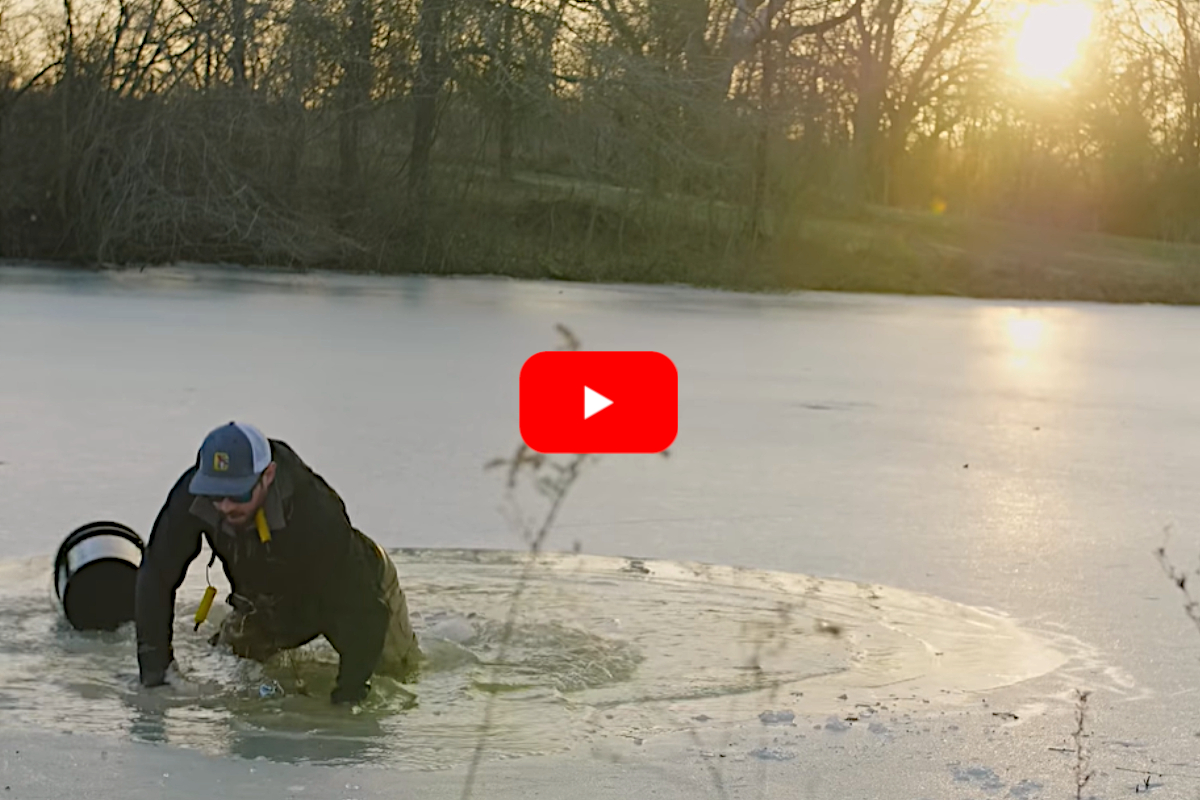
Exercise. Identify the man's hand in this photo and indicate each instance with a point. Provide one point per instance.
(154, 679)
(170, 675)
(350, 694)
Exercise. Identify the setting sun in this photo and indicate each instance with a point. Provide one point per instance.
(1050, 38)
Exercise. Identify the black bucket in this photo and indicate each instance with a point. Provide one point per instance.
(95, 575)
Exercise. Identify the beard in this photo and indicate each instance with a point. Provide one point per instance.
(240, 523)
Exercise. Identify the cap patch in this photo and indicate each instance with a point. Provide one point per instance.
(220, 462)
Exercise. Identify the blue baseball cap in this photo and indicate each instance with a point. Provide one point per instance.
(231, 460)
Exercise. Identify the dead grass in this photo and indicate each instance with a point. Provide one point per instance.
(894, 251)
(538, 226)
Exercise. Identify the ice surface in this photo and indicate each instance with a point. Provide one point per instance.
(819, 434)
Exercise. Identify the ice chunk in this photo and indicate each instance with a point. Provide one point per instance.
(772, 754)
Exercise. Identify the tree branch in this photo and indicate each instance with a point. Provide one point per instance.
(786, 33)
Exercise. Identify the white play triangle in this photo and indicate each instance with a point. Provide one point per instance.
(594, 403)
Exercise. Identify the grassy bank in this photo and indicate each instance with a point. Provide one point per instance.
(539, 228)
(891, 251)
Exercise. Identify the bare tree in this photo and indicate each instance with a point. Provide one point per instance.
(357, 80)
(426, 92)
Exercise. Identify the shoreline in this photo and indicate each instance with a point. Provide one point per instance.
(255, 273)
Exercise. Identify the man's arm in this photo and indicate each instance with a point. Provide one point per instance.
(174, 544)
(358, 633)
(345, 574)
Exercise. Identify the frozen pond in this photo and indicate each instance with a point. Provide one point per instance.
(1010, 465)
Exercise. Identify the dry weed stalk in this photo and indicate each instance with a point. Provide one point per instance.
(1083, 756)
(1180, 578)
(552, 479)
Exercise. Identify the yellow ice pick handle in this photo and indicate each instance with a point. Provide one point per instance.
(205, 605)
(260, 522)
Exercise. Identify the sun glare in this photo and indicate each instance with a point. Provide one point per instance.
(1051, 38)
(1020, 337)
(1025, 333)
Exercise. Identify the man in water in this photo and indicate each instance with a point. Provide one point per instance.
(297, 567)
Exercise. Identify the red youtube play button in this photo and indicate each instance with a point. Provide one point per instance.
(599, 402)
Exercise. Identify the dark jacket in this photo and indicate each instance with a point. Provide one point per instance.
(318, 574)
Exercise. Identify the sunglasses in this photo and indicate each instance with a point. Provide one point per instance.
(244, 497)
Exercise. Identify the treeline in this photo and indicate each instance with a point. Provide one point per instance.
(540, 136)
